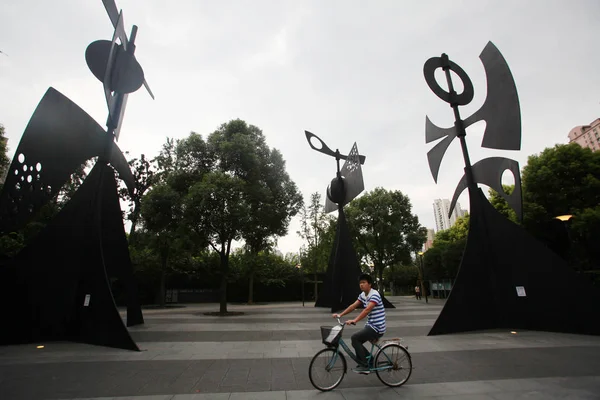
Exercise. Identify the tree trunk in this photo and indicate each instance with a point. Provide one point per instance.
(251, 288)
(316, 288)
(161, 290)
(163, 278)
(224, 271)
(253, 258)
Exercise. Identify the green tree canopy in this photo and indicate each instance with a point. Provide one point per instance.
(4, 160)
(272, 199)
(442, 261)
(144, 175)
(232, 187)
(161, 210)
(385, 229)
(318, 230)
(564, 180)
(501, 205)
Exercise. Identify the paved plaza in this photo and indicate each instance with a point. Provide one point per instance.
(265, 353)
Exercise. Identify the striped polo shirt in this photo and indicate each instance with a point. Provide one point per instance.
(376, 318)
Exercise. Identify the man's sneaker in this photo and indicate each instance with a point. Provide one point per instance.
(361, 369)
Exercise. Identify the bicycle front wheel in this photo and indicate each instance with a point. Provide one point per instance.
(393, 365)
(327, 369)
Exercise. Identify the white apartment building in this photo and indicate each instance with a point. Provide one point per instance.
(440, 213)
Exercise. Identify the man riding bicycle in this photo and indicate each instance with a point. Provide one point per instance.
(371, 300)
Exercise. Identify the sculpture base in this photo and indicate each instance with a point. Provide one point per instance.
(57, 288)
(508, 279)
(340, 286)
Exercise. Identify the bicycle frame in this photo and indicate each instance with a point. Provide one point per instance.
(352, 355)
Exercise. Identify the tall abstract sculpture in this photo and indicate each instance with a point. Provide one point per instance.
(507, 278)
(57, 287)
(340, 286)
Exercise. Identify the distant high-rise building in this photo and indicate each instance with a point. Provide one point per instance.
(430, 237)
(440, 212)
(587, 135)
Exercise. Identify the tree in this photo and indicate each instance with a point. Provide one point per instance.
(232, 187)
(564, 180)
(215, 212)
(432, 261)
(161, 211)
(318, 229)
(4, 160)
(402, 275)
(273, 200)
(385, 229)
(443, 259)
(458, 231)
(144, 176)
(501, 205)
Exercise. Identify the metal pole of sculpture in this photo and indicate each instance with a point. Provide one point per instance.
(340, 288)
(62, 274)
(506, 278)
(116, 67)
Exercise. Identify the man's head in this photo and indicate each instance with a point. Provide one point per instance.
(365, 282)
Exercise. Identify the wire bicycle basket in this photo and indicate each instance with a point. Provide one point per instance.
(331, 335)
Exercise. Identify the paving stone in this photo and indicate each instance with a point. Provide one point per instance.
(314, 394)
(370, 393)
(199, 396)
(196, 356)
(277, 395)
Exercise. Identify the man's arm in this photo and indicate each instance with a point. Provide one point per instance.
(364, 312)
(350, 308)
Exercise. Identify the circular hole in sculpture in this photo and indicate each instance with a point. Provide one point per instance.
(31, 168)
(37, 176)
(21, 158)
(457, 83)
(38, 167)
(25, 168)
(22, 179)
(316, 142)
(508, 179)
(16, 172)
(29, 178)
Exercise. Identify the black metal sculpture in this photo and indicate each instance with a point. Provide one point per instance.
(340, 286)
(507, 279)
(62, 277)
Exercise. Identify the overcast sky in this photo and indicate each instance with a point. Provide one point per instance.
(348, 71)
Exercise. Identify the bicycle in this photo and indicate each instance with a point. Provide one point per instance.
(391, 357)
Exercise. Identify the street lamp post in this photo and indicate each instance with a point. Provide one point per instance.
(423, 286)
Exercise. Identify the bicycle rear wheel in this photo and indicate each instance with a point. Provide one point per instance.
(327, 369)
(397, 363)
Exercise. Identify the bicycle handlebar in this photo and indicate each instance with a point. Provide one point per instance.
(343, 323)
